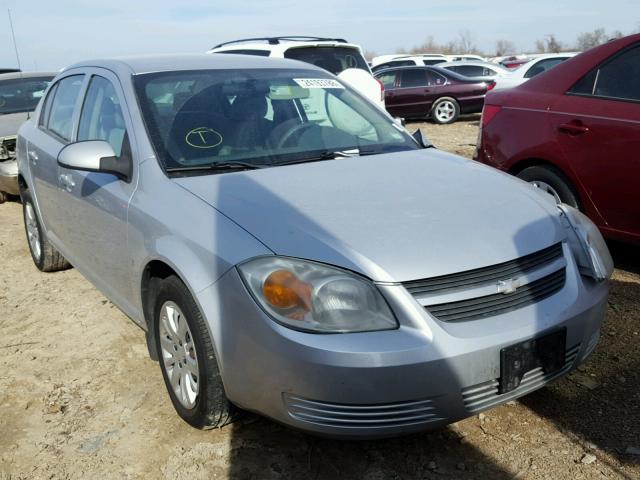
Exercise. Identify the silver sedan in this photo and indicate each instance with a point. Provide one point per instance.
(291, 250)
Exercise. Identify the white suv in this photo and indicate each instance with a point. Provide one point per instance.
(333, 54)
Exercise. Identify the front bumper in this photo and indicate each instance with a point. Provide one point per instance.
(425, 374)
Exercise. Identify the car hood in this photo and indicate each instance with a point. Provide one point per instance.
(392, 217)
(10, 123)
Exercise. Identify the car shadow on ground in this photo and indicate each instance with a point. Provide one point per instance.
(267, 450)
(600, 404)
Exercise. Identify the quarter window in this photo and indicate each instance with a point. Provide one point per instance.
(60, 121)
(46, 108)
(101, 117)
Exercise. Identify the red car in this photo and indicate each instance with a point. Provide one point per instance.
(431, 92)
(575, 132)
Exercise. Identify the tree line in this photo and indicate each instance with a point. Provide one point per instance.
(465, 43)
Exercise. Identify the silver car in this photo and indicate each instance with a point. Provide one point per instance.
(290, 250)
(19, 95)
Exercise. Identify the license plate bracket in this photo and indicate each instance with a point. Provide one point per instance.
(547, 351)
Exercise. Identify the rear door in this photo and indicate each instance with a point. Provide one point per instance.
(597, 124)
(96, 203)
(58, 117)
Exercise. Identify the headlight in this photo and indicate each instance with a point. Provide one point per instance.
(312, 297)
(588, 246)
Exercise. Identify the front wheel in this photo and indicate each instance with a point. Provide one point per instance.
(188, 360)
(445, 110)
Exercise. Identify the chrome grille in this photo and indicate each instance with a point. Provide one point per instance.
(361, 416)
(498, 303)
(485, 395)
(494, 273)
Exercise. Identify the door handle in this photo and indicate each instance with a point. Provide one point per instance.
(67, 182)
(33, 156)
(573, 128)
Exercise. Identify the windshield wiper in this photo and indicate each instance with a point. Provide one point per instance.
(217, 167)
(320, 156)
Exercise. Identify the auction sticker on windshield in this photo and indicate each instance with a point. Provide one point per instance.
(318, 83)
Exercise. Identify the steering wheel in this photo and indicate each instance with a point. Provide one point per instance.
(296, 128)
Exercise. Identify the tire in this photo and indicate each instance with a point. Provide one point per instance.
(44, 255)
(552, 181)
(209, 407)
(445, 110)
(3, 197)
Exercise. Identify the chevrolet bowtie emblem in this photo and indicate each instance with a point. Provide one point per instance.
(508, 286)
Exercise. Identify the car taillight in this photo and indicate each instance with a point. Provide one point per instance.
(490, 85)
(489, 112)
(381, 90)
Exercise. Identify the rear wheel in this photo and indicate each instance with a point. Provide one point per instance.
(445, 110)
(551, 181)
(45, 257)
(188, 360)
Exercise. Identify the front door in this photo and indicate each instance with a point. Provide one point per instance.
(97, 203)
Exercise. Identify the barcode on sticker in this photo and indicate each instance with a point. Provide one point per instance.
(318, 83)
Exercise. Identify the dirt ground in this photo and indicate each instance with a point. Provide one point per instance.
(79, 397)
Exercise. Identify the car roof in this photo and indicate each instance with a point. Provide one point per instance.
(435, 68)
(472, 63)
(13, 76)
(136, 65)
(283, 43)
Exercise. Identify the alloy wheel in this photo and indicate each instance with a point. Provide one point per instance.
(545, 187)
(445, 111)
(179, 359)
(33, 233)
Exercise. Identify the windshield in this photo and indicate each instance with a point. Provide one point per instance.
(332, 59)
(22, 94)
(260, 117)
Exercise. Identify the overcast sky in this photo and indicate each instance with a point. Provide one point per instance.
(52, 34)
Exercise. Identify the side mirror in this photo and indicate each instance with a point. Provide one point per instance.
(95, 156)
(421, 140)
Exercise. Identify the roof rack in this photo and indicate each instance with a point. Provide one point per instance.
(277, 40)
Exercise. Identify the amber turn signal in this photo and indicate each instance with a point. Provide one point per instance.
(283, 289)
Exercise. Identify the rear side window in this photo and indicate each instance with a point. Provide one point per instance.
(616, 78)
(101, 117)
(433, 61)
(413, 78)
(543, 66)
(46, 107)
(471, 70)
(60, 120)
(434, 79)
(248, 51)
(332, 59)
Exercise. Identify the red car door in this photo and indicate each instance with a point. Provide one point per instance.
(597, 125)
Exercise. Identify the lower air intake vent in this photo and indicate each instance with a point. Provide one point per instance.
(361, 416)
(485, 395)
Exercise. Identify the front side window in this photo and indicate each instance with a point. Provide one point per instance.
(332, 59)
(617, 78)
(260, 117)
(101, 117)
(60, 121)
(22, 94)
